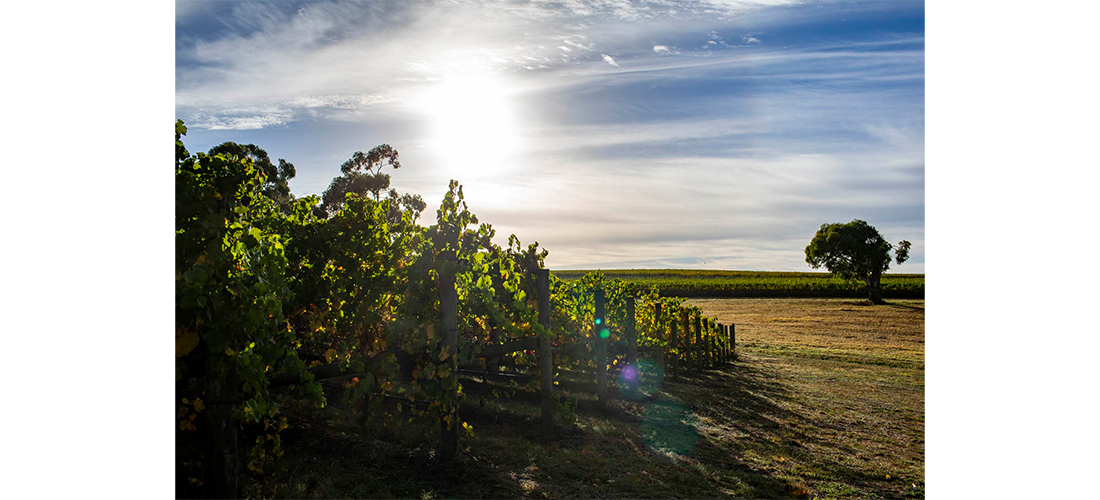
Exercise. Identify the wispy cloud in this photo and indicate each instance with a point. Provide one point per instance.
(609, 60)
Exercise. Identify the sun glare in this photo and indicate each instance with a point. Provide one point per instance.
(473, 126)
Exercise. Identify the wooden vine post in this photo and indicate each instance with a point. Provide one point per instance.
(674, 344)
(697, 365)
(602, 333)
(708, 340)
(632, 345)
(220, 463)
(703, 343)
(725, 344)
(686, 318)
(448, 309)
(546, 363)
(717, 343)
(714, 344)
(729, 347)
(733, 341)
(729, 344)
(659, 333)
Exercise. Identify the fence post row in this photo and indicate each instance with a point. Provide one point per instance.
(601, 347)
(448, 309)
(545, 354)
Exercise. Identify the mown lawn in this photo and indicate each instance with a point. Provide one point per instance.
(826, 400)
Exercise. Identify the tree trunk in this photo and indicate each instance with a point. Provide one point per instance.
(874, 287)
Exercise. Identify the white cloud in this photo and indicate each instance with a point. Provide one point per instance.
(241, 119)
(609, 60)
(347, 101)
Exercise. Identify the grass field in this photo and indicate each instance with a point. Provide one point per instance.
(826, 400)
(708, 283)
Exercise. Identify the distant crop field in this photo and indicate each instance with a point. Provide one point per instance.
(708, 283)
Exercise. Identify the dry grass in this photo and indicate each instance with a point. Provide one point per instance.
(842, 329)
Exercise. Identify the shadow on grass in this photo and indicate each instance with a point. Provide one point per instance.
(903, 306)
(727, 432)
(754, 435)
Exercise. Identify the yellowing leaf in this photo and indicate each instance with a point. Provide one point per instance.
(230, 352)
(443, 354)
(199, 406)
(186, 341)
(330, 355)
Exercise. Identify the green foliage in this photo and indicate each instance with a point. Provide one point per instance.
(854, 251)
(276, 177)
(230, 283)
(851, 251)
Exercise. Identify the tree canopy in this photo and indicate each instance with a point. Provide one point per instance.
(277, 185)
(361, 174)
(856, 251)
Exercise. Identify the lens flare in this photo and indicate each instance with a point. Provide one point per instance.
(605, 332)
(641, 381)
(630, 374)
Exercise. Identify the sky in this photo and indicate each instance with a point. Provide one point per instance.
(710, 134)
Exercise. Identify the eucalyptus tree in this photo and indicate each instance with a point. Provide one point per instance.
(363, 175)
(857, 251)
(277, 177)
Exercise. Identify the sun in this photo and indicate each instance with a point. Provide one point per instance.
(473, 125)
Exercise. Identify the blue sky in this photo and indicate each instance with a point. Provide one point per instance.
(699, 134)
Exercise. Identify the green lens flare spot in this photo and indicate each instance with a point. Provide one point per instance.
(605, 333)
